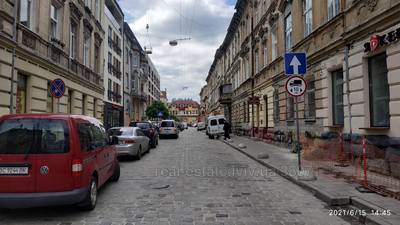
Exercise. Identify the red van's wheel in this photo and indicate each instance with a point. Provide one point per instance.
(117, 172)
(91, 198)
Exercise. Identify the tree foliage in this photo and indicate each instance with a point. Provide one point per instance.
(157, 107)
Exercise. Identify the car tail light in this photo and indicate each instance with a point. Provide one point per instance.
(77, 167)
(129, 142)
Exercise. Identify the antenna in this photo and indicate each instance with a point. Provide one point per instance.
(148, 49)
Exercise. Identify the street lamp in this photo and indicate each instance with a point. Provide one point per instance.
(175, 42)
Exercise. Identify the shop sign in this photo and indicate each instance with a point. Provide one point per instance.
(377, 41)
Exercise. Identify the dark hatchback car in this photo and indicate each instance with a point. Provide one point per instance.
(149, 129)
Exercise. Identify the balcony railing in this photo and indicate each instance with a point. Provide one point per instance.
(53, 53)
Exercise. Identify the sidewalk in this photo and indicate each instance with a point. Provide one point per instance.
(334, 191)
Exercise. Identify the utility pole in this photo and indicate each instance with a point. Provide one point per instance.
(13, 57)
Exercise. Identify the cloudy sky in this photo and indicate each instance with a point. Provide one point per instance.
(183, 68)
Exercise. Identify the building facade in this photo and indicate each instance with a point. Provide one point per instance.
(153, 83)
(185, 110)
(113, 56)
(164, 97)
(51, 39)
(135, 80)
(353, 63)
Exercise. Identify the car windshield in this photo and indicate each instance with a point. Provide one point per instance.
(34, 136)
(121, 131)
(167, 124)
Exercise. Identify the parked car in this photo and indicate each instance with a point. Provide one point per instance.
(201, 126)
(132, 141)
(169, 128)
(48, 159)
(150, 130)
(215, 126)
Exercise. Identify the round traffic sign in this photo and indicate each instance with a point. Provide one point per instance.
(296, 86)
(57, 88)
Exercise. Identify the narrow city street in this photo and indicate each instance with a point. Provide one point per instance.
(192, 180)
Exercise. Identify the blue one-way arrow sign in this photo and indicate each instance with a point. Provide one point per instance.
(295, 63)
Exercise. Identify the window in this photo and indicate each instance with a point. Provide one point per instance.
(288, 32)
(110, 40)
(84, 104)
(309, 100)
(274, 43)
(85, 136)
(333, 8)
(378, 91)
(73, 35)
(337, 93)
(265, 54)
(86, 48)
(97, 9)
(127, 80)
(97, 58)
(54, 23)
(289, 108)
(109, 65)
(35, 136)
(256, 61)
(307, 17)
(21, 94)
(49, 100)
(69, 106)
(26, 13)
(276, 107)
(88, 3)
(99, 136)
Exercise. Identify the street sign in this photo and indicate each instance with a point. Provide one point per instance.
(57, 88)
(295, 63)
(160, 114)
(296, 86)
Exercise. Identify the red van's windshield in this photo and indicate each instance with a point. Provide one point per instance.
(34, 136)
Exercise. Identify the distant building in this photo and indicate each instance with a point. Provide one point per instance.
(135, 79)
(163, 97)
(186, 110)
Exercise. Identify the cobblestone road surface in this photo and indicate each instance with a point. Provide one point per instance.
(192, 180)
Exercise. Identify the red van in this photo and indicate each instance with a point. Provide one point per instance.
(51, 159)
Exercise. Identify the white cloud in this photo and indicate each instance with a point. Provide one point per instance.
(187, 64)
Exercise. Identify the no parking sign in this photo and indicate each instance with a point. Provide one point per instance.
(57, 88)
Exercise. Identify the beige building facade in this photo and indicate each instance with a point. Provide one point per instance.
(349, 43)
(53, 39)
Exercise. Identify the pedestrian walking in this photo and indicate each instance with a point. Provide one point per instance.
(227, 130)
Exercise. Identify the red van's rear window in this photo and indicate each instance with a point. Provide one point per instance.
(33, 136)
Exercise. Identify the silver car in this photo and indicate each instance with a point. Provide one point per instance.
(131, 141)
(169, 128)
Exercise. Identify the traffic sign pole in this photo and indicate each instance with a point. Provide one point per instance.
(298, 134)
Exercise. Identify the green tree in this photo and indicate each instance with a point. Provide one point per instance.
(154, 109)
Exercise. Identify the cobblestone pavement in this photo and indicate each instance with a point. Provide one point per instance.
(192, 180)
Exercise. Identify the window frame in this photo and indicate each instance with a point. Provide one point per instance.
(276, 106)
(307, 12)
(288, 31)
(274, 42)
(335, 8)
(370, 90)
(73, 37)
(310, 112)
(336, 104)
(25, 13)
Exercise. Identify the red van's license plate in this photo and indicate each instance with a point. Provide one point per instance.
(13, 170)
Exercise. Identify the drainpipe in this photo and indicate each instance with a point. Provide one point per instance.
(252, 67)
(13, 57)
(346, 59)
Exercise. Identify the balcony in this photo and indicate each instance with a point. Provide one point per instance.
(225, 94)
(139, 96)
(55, 54)
(114, 96)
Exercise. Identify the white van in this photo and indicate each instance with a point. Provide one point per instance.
(215, 126)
